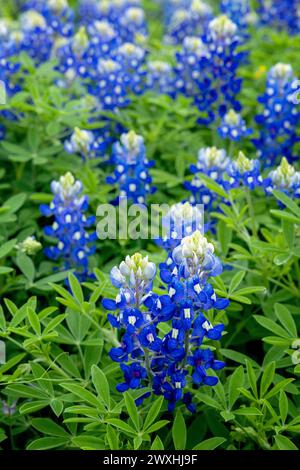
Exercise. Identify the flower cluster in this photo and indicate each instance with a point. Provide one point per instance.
(160, 77)
(281, 14)
(131, 168)
(132, 60)
(175, 363)
(181, 220)
(238, 11)
(187, 19)
(245, 172)
(211, 162)
(69, 226)
(87, 144)
(233, 127)
(30, 246)
(206, 69)
(126, 16)
(280, 117)
(284, 178)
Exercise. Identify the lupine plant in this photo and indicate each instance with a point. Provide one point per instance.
(187, 339)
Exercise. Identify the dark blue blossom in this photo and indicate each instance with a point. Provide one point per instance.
(187, 19)
(168, 362)
(233, 127)
(131, 168)
(69, 226)
(160, 77)
(212, 162)
(280, 117)
(284, 178)
(245, 172)
(280, 14)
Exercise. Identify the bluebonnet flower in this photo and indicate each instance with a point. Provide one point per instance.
(221, 84)
(36, 37)
(181, 220)
(132, 60)
(284, 178)
(206, 69)
(69, 226)
(2, 131)
(88, 144)
(238, 11)
(280, 14)
(189, 67)
(110, 87)
(131, 168)
(212, 162)
(132, 24)
(280, 117)
(233, 127)
(187, 20)
(167, 362)
(160, 77)
(245, 172)
(57, 13)
(76, 57)
(104, 38)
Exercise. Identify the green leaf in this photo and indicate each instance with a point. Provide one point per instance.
(286, 319)
(271, 326)
(34, 320)
(213, 186)
(25, 391)
(237, 357)
(47, 426)
(249, 290)
(53, 324)
(15, 203)
(236, 380)
(179, 432)
(118, 423)
(76, 288)
(47, 443)
(57, 406)
(7, 247)
(284, 443)
(236, 280)
(156, 426)
(132, 410)
(82, 393)
(279, 386)
(11, 363)
(283, 406)
(284, 215)
(210, 444)
(112, 438)
(33, 406)
(248, 411)
(252, 378)
(153, 412)
(267, 378)
(157, 444)
(88, 442)
(26, 266)
(224, 236)
(101, 385)
(289, 233)
(288, 202)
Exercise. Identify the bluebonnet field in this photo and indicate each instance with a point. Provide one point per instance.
(182, 342)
